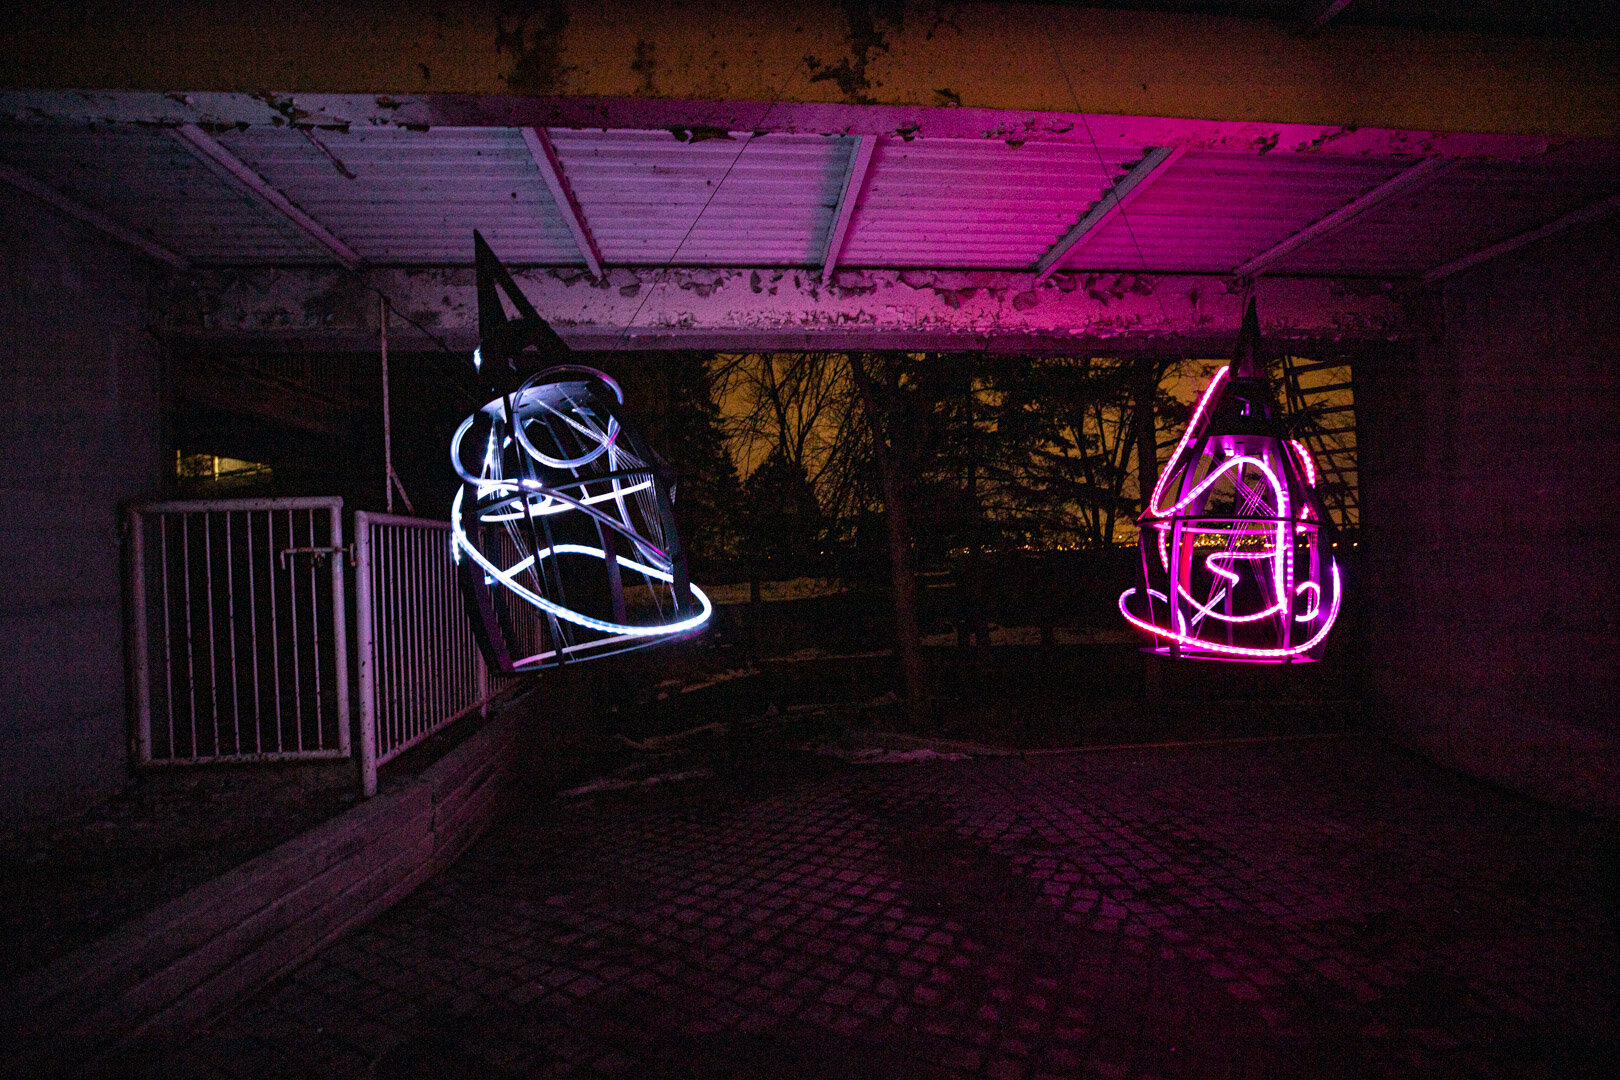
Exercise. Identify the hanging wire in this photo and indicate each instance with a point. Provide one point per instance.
(1085, 122)
(663, 271)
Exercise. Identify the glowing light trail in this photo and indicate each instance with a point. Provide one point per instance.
(1238, 651)
(1306, 460)
(589, 476)
(1170, 467)
(566, 513)
(1234, 564)
(509, 578)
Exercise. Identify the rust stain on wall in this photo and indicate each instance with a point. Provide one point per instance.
(866, 41)
(645, 65)
(532, 32)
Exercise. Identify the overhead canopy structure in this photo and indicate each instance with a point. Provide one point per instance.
(1086, 177)
(820, 193)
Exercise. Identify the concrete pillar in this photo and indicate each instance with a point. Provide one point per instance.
(81, 431)
(1489, 464)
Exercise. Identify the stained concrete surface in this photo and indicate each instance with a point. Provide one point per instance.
(66, 881)
(1330, 908)
(1480, 453)
(82, 433)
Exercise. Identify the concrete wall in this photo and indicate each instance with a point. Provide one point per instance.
(911, 53)
(79, 431)
(1490, 465)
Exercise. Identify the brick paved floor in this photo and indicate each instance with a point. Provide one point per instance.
(1323, 909)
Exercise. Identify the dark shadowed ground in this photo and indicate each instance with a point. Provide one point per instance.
(67, 881)
(1328, 908)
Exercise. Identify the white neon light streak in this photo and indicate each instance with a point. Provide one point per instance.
(553, 505)
(584, 467)
(509, 579)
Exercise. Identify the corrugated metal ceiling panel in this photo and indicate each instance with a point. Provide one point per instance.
(144, 179)
(649, 198)
(958, 203)
(414, 198)
(1210, 212)
(1462, 211)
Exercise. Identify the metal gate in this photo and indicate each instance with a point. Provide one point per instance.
(419, 667)
(239, 644)
(240, 650)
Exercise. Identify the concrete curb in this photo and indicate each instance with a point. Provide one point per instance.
(147, 986)
(891, 740)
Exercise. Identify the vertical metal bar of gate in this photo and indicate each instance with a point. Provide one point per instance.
(340, 632)
(365, 640)
(192, 619)
(292, 621)
(140, 641)
(240, 645)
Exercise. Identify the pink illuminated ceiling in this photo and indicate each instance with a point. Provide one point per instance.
(704, 184)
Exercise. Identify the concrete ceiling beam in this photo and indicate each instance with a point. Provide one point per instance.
(1408, 179)
(321, 111)
(1004, 56)
(1600, 209)
(1113, 202)
(551, 170)
(754, 309)
(849, 193)
(1319, 13)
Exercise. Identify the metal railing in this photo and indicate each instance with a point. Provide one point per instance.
(419, 667)
(523, 624)
(239, 647)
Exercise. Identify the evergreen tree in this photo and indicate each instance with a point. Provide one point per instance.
(683, 424)
(782, 524)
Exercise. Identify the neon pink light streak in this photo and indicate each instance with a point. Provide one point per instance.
(1316, 600)
(1240, 651)
(1279, 568)
(1305, 460)
(1226, 466)
(1170, 467)
(1233, 579)
(1251, 504)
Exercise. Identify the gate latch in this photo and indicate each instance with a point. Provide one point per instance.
(319, 554)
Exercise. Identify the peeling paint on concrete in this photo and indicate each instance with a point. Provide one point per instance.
(219, 111)
(867, 21)
(734, 309)
(904, 54)
(532, 34)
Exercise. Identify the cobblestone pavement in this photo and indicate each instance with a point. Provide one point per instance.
(1321, 909)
